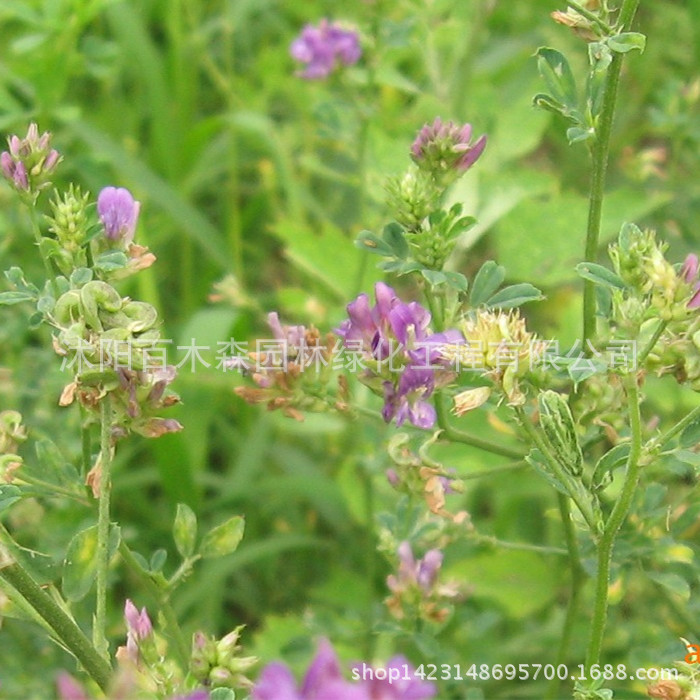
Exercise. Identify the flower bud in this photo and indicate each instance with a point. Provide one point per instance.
(30, 161)
(69, 220)
(118, 212)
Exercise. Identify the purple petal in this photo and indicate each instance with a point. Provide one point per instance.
(428, 568)
(324, 669)
(276, 682)
(422, 415)
(689, 271)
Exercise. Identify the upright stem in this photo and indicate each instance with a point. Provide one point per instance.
(577, 577)
(612, 526)
(99, 635)
(37, 237)
(601, 150)
(63, 626)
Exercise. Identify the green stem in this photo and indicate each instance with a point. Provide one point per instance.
(590, 16)
(494, 471)
(614, 522)
(652, 342)
(65, 628)
(455, 435)
(37, 237)
(160, 595)
(578, 497)
(601, 150)
(676, 429)
(99, 631)
(577, 577)
(519, 546)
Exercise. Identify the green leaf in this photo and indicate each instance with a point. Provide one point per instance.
(111, 260)
(537, 460)
(489, 278)
(457, 281)
(223, 539)
(577, 134)
(80, 276)
(185, 530)
(434, 277)
(10, 298)
(672, 582)
(613, 458)
(600, 275)
(372, 243)
(691, 435)
(628, 41)
(9, 494)
(80, 565)
(158, 559)
(514, 295)
(222, 694)
(393, 235)
(555, 70)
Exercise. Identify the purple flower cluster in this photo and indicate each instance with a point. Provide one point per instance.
(324, 681)
(323, 47)
(30, 160)
(118, 212)
(422, 572)
(400, 352)
(446, 146)
(689, 273)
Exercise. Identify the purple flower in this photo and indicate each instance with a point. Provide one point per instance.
(694, 302)
(689, 271)
(322, 47)
(422, 572)
(137, 623)
(29, 161)
(118, 212)
(68, 688)
(396, 682)
(323, 681)
(399, 332)
(444, 146)
(408, 400)
(294, 336)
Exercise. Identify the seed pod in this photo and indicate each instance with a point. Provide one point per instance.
(560, 431)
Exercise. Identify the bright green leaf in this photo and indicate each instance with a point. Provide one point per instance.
(627, 41)
(185, 530)
(80, 564)
(600, 275)
(514, 295)
(555, 70)
(223, 539)
(489, 278)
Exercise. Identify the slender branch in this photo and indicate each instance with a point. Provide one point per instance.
(577, 574)
(520, 546)
(590, 16)
(652, 342)
(99, 635)
(494, 471)
(160, 595)
(452, 433)
(577, 496)
(37, 237)
(675, 430)
(601, 150)
(614, 522)
(58, 620)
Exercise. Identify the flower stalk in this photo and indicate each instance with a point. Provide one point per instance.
(58, 620)
(601, 151)
(99, 635)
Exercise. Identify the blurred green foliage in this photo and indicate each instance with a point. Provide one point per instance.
(253, 185)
